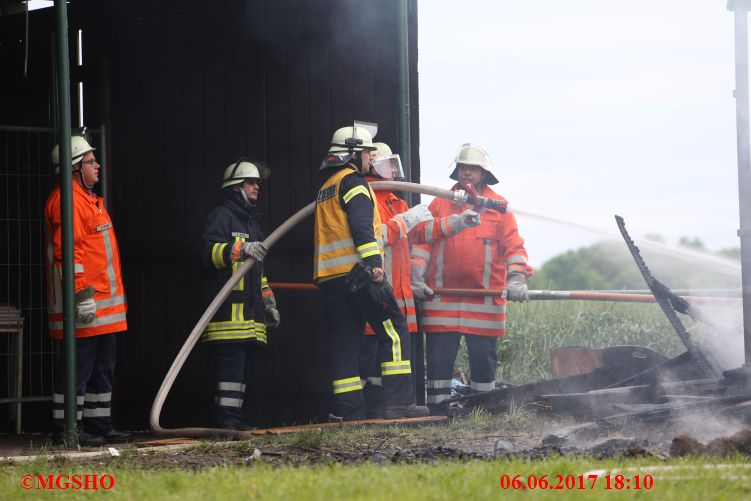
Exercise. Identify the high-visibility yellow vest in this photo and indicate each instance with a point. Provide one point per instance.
(335, 251)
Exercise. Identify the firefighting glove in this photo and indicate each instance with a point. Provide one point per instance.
(271, 313)
(359, 276)
(414, 216)
(380, 293)
(467, 219)
(417, 282)
(256, 250)
(517, 287)
(86, 311)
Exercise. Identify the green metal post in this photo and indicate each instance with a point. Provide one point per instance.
(66, 202)
(405, 152)
(403, 118)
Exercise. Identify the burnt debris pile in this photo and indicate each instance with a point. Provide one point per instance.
(636, 392)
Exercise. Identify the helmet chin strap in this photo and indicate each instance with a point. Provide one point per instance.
(80, 173)
(248, 202)
(357, 162)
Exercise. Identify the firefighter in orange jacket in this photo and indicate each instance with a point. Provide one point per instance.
(348, 267)
(399, 222)
(100, 299)
(489, 256)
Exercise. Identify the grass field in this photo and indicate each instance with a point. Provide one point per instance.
(536, 327)
(360, 463)
(687, 479)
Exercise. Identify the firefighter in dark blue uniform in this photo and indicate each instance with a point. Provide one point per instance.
(232, 234)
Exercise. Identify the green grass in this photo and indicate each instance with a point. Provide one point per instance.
(533, 329)
(444, 480)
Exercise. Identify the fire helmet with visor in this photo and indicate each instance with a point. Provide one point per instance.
(385, 164)
(245, 168)
(473, 154)
(347, 141)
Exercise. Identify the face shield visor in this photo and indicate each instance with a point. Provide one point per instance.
(336, 159)
(388, 167)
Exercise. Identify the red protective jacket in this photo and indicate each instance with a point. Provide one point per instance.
(396, 263)
(476, 258)
(96, 259)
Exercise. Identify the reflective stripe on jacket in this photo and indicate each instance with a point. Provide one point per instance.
(241, 316)
(336, 250)
(96, 259)
(476, 258)
(396, 254)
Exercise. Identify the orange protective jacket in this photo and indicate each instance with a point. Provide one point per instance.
(96, 259)
(396, 263)
(476, 258)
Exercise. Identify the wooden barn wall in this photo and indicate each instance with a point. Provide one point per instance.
(184, 89)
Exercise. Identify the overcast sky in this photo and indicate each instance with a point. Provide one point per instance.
(588, 109)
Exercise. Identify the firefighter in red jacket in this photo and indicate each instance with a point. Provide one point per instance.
(489, 256)
(348, 267)
(398, 223)
(99, 299)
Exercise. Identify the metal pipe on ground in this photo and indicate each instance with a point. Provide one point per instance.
(541, 295)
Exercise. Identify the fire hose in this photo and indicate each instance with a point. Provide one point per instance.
(294, 220)
(273, 238)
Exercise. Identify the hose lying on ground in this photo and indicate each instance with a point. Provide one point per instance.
(182, 356)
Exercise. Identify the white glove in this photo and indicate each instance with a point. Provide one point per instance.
(417, 278)
(417, 214)
(256, 250)
(466, 219)
(517, 287)
(273, 318)
(86, 311)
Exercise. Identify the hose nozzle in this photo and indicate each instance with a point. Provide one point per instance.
(470, 196)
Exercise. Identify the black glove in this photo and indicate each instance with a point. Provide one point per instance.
(380, 293)
(359, 276)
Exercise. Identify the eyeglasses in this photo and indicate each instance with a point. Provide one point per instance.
(89, 162)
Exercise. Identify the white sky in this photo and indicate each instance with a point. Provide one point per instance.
(588, 109)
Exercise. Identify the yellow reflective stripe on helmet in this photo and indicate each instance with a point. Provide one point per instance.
(396, 344)
(347, 385)
(357, 190)
(394, 368)
(217, 256)
(369, 249)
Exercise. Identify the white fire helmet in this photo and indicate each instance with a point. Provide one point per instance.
(348, 140)
(385, 164)
(244, 168)
(78, 148)
(473, 154)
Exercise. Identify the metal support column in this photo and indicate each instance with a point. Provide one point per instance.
(740, 9)
(66, 202)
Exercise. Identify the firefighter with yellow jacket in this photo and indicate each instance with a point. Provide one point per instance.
(348, 267)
